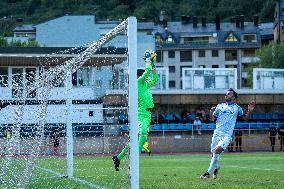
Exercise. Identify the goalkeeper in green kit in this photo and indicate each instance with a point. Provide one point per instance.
(145, 103)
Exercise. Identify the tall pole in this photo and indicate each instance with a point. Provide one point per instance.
(69, 130)
(133, 102)
(279, 27)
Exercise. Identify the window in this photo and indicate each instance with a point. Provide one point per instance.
(98, 84)
(189, 40)
(171, 54)
(172, 84)
(182, 68)
(215, 53)
(17, 76)
(231, 66)
(56, 81)
(215, 66)
(231, 55)
(201, 53)
(172, 69)
(185, 56)
(158, 39)
(74, 79)
(30, 75)
(231, 38)
(81, 77)
(202, 66)
(248, 38)
(159, 56)
(91, 113)
(30, 78)
(249, 52)
(17, 82)
(170, 39)
(3, 76)
(110, 84)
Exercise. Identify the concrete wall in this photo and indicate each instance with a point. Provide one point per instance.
(158, 144)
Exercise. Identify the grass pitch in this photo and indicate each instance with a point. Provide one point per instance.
(238, 170)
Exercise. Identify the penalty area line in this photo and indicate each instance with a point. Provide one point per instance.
(72, 178)
(255, 168)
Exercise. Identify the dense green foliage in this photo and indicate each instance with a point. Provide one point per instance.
(269, 56)
(238, 170)
(35, 11)
(17, 43)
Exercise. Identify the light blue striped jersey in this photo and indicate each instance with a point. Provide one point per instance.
(226, 116)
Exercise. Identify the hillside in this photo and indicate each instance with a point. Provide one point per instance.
(36, 11)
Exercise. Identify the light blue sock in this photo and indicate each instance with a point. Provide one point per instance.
(213, 163)
(217, 166)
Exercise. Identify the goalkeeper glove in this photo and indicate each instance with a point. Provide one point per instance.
(147, 56)
(150, 56)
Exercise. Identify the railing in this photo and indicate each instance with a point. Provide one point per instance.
(205, 127)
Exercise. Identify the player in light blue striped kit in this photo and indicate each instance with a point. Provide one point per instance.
(225, 115)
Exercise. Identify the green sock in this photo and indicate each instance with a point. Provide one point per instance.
(122, 153)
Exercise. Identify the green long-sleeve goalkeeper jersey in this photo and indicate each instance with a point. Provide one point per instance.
(145, 98)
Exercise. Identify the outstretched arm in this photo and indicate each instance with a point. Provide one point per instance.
(251, 107)
(154, 79)
(146, 73)
(212, 117)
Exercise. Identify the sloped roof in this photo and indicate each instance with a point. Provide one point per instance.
(178, 30)
(24, 28)
(266, 28)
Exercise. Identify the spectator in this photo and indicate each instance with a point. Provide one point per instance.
(272, 136)
(231, 145)
(200, 112)
(281, 136)
(55, 140)
(185, 116)
(154, 116)
(197, 125)
(238, 135)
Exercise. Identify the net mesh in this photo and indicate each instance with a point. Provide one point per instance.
(36, 154)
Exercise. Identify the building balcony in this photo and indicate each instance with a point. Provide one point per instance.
(249, 59)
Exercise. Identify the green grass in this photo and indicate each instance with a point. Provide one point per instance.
(238, 170)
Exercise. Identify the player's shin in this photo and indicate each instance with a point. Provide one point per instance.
(122, 153)
(213, 163)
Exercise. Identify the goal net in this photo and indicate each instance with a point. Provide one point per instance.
(69, 115)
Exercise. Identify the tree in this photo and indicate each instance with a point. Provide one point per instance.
(3, 42)
(32, 6)
(269, 56)
(17, 43)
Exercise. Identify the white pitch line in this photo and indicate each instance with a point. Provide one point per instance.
(256, 168)
(73, 178)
